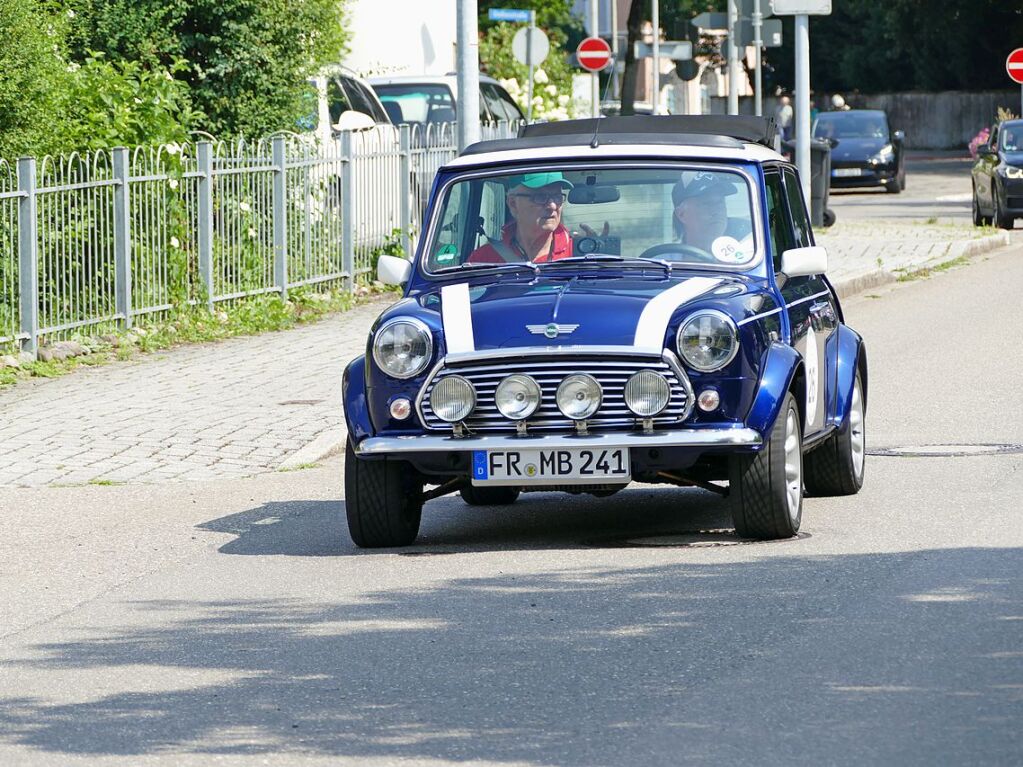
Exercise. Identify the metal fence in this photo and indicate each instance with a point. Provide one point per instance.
(108, 239)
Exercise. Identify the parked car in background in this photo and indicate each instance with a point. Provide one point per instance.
(427, 100)
(338, 100)
(998, 176)
(865, 151)
(695, 342)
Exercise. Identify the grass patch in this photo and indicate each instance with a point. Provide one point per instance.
(104, 482)
(192, 325)
(300, 467)
(922, 274)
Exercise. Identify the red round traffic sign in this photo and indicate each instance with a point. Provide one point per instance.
(593, 54)
(1014, 65)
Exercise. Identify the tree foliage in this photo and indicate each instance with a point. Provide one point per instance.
(246, 60)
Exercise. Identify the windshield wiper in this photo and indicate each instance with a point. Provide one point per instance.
(487, 266)
(608, 259)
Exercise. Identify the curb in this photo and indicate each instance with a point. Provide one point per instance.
(851, 286)
(327, 444)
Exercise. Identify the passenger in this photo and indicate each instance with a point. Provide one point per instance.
(701, 213)
(536, 232)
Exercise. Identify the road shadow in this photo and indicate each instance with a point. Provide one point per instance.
(908, 658)
(534, 521)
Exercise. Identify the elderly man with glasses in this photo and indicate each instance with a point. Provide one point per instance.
(535, 232)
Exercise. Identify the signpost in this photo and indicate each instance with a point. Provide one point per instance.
(530, 46)
(802, 9)
(1014, 66)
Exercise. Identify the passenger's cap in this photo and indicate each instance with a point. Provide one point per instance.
(539, 180)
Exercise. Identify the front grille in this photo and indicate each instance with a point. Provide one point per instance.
(611, 371)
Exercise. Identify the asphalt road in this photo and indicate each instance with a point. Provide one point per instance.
(937, 186)
(233, 622)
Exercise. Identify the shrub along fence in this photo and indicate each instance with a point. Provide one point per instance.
(107, 239)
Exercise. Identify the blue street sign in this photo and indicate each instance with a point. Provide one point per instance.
(508, 14)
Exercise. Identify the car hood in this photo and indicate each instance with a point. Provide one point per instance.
(854, 149)
(631, 311)
(1013, 158)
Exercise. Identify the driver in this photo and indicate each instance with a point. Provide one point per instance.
(535, 233)
(701, 213)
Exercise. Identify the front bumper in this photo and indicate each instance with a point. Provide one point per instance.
(695, 438)
(869, 175)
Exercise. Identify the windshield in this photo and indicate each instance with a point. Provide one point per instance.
(679, 215)
(417, 103)
(1011, 137)
(851, 125)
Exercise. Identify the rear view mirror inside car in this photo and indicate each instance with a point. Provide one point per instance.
(590, 195)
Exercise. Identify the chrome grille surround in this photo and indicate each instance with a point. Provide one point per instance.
(612, 368)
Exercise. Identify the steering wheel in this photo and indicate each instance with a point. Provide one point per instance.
(690, 252)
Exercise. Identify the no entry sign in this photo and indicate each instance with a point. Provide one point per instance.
(593, 53)
(1014, 65)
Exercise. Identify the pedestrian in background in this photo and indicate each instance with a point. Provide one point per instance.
(783, 116)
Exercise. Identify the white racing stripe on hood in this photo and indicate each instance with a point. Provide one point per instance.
(653, 322)
(457, 318)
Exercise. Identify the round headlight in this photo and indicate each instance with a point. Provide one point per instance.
(647, 393)
(517, 397)
(403, 347)
(579, 396)
(452, 399)
(708, 341)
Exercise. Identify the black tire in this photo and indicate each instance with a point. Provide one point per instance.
(489, 496)
(383, 501)
(759, 488)
(978, 217)
(999, 218)
(829, 217)
(893, 186)
(835, 467)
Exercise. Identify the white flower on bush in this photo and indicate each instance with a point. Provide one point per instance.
(552, 90)
(171, 148)
(244, 207)
(540, 77)
(175, 242)
(173, 183)
(252, 233)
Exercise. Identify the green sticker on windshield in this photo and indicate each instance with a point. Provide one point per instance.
(447, 254)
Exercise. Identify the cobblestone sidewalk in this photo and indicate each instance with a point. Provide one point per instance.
(251, 405)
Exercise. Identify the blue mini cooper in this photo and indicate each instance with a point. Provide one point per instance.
(594, 303)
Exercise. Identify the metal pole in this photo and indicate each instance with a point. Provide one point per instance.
(28, 255)
(280, 217)
(655, 97)
(405, 184)
(529, 63)
(595, 77)
(758, 42)
(122, 236)
(468, 74)
(733, 59)
(204, 163)
(802, 121)
(616, 88)
(348, 208)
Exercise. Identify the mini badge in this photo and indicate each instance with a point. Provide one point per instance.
(551, 329)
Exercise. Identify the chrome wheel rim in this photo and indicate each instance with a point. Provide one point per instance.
(793, 464)
(857, 437)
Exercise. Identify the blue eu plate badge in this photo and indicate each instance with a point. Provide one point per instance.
(479, 464)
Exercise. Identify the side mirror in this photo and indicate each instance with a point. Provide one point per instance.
(985, 151)
(801, 262)
(899, 136)
(392, 270)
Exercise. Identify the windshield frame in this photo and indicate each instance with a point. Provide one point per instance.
(743, 169)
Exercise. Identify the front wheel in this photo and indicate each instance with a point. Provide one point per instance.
(383, 501)
(835, 467)
(1001, 220)
(765, 490)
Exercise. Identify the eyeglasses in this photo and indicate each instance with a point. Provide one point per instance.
(542, 198)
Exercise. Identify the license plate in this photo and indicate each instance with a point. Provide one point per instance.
(577, 466)
(845, 172)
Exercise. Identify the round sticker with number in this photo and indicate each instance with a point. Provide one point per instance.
(728, 250)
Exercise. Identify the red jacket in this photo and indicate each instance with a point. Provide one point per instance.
(489, 254)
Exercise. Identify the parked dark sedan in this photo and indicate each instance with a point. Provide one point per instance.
(998, 176)
(864, 149)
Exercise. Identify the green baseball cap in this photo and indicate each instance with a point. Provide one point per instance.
(538, 180)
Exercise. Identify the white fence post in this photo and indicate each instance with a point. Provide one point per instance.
(405, 187)
(347, 209)
(204, 162)
(122, 236)
(280, 216)
(28, 255)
